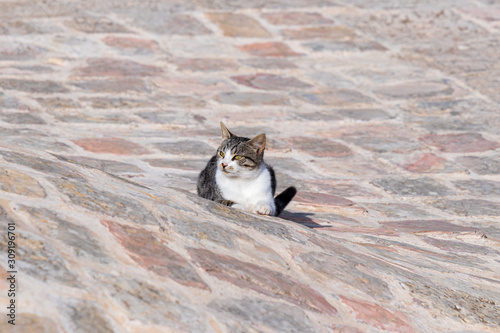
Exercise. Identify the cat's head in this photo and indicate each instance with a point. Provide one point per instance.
(238, 156)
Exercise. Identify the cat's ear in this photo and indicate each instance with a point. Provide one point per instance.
(259, 143)
(225, 132)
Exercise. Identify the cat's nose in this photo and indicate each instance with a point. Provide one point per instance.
(224, 165)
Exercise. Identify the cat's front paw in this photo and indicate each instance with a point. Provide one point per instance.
(263, 210)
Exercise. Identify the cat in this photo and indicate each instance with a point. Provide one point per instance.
(237, 176)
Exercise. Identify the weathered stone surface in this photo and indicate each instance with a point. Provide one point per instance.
(116, 68)
(105, 165)
(95, 24)
(13, 181)
(111, 146)
(179, 85)
(261, 280)
(104, 202)
(256, 313)
(270, 82)
(94, 118)
(238, 25)
(186, 148)
(204, 64)
(339, 33)
(296, 18)
(40, 260)
(29, 322)
(479, 187)
(418, 226)
(132, 45)
(112, 85)
(152, 253)
(40, 164)
(163, 23)
(337, 98)
(383, 115)
(269, 50)
(87, 315)
(320, 147)
(378, 317)
(110, 102)
(413, 187)
(377, 138)
(32, 86)
(339, 265)
(252, 99)
(79, 238)
(19, 51)
(481, 165)
(21, 118)
(150, 304)
(431, 163)
(415, 89)
(268, 63)
(344, 46)
(184, 164)
(460, 143)
(469, 207)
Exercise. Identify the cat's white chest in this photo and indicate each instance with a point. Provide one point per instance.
(251, 193)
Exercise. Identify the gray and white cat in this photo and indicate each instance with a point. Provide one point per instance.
(237, 176)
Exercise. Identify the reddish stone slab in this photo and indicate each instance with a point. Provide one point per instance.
(268, 63)
(377, 316)
(238, 25)
(295, 18)
(269, 49)
(111, 146)
(270, 82)
(116, 68)
(204, 64)
(460, 143)
(427, 163)
(130, 43)
(262, 280)
(150, 252)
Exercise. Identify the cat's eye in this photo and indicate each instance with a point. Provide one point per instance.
(237, 157)
(221, 153)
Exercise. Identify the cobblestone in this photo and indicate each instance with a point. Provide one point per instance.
(384, 115)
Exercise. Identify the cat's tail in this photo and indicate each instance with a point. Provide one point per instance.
(284, 198)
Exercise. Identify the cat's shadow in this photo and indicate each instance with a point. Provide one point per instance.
(301, 218)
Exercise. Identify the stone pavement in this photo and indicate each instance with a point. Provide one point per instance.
(384, 114)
